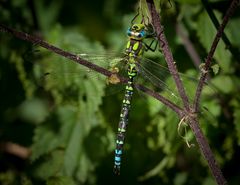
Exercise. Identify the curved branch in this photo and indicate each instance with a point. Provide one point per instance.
(15, 149)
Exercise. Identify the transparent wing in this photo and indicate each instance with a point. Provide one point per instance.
(111, 61)
(57, 71)
(107, 61)
(160, 77)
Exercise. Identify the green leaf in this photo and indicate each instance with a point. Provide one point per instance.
(74, 148)
(209, 181)
(224, 83)
(47, 13)
(180, 178)
(79, 93)
(33, 111)
(60, 180)
(25, 180)
(22, 74)
(53, 134)
(188, 1)
(45, 140)
(206, 33)
(7, 177)
(51, 166)
(215, 68)
(69, 82)
(236, 115)
(232, 31)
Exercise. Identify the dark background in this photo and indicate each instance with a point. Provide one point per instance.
(69, 122)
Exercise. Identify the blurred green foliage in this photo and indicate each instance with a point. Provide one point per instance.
(70, 124)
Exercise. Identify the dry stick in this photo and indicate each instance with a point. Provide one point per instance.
(167, 53)
(208, 61)
(193, 122)
(77, 59)
(15, 149)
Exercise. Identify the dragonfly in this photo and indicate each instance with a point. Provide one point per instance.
(134, 66)
(133, 52)
(130, 64)
(134, 63)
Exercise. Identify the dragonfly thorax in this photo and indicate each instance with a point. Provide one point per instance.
(134, 49)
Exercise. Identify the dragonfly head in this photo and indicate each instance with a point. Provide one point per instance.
(137, 32)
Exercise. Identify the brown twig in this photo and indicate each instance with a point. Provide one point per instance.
(15, 149)
(233, 6)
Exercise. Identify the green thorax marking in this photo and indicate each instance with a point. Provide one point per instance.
(135, 47)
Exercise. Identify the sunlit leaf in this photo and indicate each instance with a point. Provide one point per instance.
(206, 33)
(33, 111)
(223, 83)
(215, 68)
(236, 123)
(51, 166)
(60, 180)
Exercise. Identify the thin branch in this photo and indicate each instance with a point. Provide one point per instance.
(42, 43)
(167, 52)
(208, 61)
(225, 39)
(77, 59)
(15, 149)
(206, 151)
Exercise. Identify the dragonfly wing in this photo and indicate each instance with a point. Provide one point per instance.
(159, 76)
(62, 74)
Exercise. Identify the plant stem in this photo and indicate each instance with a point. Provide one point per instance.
(206, 151)
(167, 53)
(234, 51)
(189, 114)
(208, 61)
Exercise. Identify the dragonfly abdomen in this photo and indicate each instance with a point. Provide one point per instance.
(126, 104)
(134, 50)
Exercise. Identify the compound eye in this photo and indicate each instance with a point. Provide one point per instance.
(129, 33)
(139, 35)
(142, 33)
